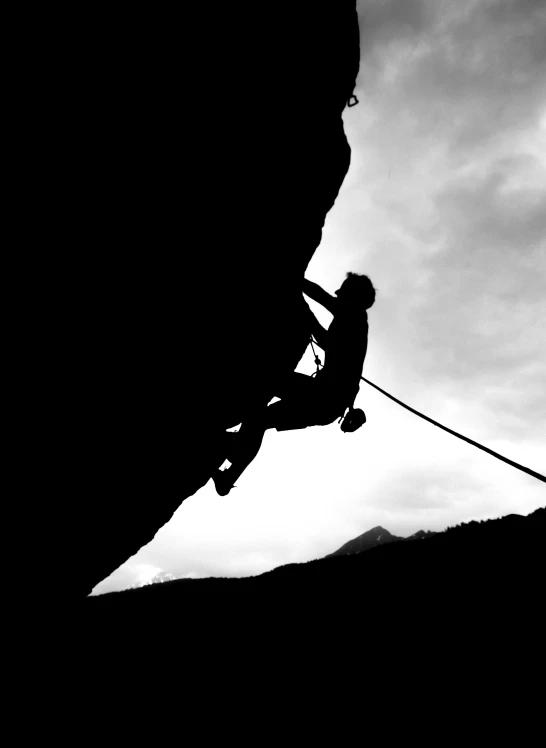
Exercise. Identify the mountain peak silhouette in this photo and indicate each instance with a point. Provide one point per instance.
(378, 529)
(370, 539)
(377, 536)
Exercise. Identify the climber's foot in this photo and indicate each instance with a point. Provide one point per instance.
(233, 445)
(222, 482)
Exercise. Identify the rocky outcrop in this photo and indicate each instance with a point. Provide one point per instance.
(193, 159)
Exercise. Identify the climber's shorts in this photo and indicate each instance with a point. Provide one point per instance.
(314, 404)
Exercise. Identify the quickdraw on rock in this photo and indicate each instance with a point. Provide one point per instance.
(318, 362)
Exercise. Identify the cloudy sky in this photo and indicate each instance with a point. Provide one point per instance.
(444, 207)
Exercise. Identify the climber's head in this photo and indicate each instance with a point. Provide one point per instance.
(357, 288)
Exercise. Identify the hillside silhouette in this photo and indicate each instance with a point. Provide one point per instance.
(457, 583)
(439, 631)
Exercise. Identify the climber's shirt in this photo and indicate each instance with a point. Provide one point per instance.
(347, 343)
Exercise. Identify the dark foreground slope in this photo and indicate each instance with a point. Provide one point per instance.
(477, 583)
(427, 639)
(189, 158)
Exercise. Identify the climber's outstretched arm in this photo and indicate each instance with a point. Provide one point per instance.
(318, 294)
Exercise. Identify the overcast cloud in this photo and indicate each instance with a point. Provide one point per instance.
(444, 206)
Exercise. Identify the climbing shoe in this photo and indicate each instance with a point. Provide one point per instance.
(222, 482)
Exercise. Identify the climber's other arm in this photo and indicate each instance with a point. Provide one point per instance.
(318, 294)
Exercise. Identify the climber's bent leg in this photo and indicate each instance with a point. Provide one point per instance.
(306, 403)
(314, 410)
(249, 441)
(296, 386)
(298, 393)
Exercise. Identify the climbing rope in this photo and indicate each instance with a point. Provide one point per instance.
(460, 436)
(318, 362)
(527, 470)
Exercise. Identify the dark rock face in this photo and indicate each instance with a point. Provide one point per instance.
(194, 158)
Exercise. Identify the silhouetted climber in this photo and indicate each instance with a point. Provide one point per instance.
(319, 400)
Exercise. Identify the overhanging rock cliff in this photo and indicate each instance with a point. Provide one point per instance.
(202, 155)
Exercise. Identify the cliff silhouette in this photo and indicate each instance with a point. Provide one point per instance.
(196, 157)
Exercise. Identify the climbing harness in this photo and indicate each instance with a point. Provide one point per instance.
(354, 419)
